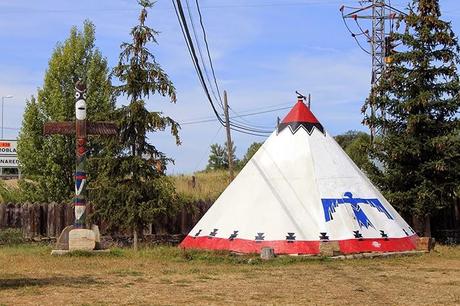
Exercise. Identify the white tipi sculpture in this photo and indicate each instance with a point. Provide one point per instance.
(299, 189)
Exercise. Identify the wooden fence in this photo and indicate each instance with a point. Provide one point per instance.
(47, 220)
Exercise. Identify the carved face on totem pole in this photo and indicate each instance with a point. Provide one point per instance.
(80, 104)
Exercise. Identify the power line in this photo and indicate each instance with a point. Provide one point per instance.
(22, 10)
(242, 128)
(278, 106)
(240, 125)
(237, 116)
(200, 52)
(185, 31)
(207, 50)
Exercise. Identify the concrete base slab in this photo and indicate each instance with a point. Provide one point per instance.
(64, 252)
(375, 255)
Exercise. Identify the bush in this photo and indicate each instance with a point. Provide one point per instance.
(11, 236)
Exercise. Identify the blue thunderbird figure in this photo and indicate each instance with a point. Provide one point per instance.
(329, 206)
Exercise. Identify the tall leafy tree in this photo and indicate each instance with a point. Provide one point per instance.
(253, 148)
(356, 144)
(48, 163)
(420, 147)
(134, 190)
(216, 159)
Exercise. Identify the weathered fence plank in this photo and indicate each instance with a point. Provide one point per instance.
(50, 223)
(39, 220)
(26, 220)
(3, 216)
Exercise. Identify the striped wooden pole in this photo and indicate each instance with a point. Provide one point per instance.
(81, 152)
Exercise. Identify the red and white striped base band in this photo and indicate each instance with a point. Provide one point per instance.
(348, 246)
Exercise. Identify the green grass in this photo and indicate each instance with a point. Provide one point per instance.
(168, 275)
(11, 236)
(9, 191)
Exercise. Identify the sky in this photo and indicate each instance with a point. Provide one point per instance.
(262, 51)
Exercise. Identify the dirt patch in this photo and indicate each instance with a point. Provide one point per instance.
(166, 275)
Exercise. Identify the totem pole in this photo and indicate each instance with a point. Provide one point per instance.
(81, 127)
(81, 152)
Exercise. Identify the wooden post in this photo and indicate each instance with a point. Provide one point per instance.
(50, 219)
(267, 253)
(26, 220)
(2, 215)
(229, 137)
(17, 215)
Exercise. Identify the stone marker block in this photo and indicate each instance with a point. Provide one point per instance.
(329, 248)
(425, 244)
(63, 241)
(82, 239)
(267, 253)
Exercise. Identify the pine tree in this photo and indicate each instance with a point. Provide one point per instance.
(47, 163)
(135, 191)
(419, 92)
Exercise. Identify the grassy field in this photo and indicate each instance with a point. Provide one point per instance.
(208, 185)
(167, 275)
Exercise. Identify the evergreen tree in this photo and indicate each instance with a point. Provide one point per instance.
(48, 163)
(134, 190)
(419, 92)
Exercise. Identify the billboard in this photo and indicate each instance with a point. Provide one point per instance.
(8, 154)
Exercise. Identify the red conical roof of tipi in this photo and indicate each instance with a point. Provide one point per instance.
(300, 113)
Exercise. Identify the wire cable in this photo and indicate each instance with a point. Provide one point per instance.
(200, 52)
(236, 126)
(205, 37)
(185, 31)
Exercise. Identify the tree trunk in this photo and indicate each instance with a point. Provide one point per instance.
(135, 246)
(427, 226)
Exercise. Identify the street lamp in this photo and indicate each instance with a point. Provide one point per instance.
(3, 100)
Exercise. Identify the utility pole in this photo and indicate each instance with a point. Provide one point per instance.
(382, 16)
(229, 137)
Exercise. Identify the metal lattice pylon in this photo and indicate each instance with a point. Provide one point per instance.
(381, 14)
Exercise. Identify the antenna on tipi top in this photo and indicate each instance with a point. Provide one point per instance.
(304, 98)
(300, 96)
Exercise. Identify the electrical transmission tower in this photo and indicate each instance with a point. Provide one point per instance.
(380, 17)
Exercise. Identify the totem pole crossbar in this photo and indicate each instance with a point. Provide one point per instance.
(81, 128)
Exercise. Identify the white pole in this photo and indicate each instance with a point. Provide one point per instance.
(3, 100)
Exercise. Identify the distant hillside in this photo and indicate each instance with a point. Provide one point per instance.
(208, 184)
